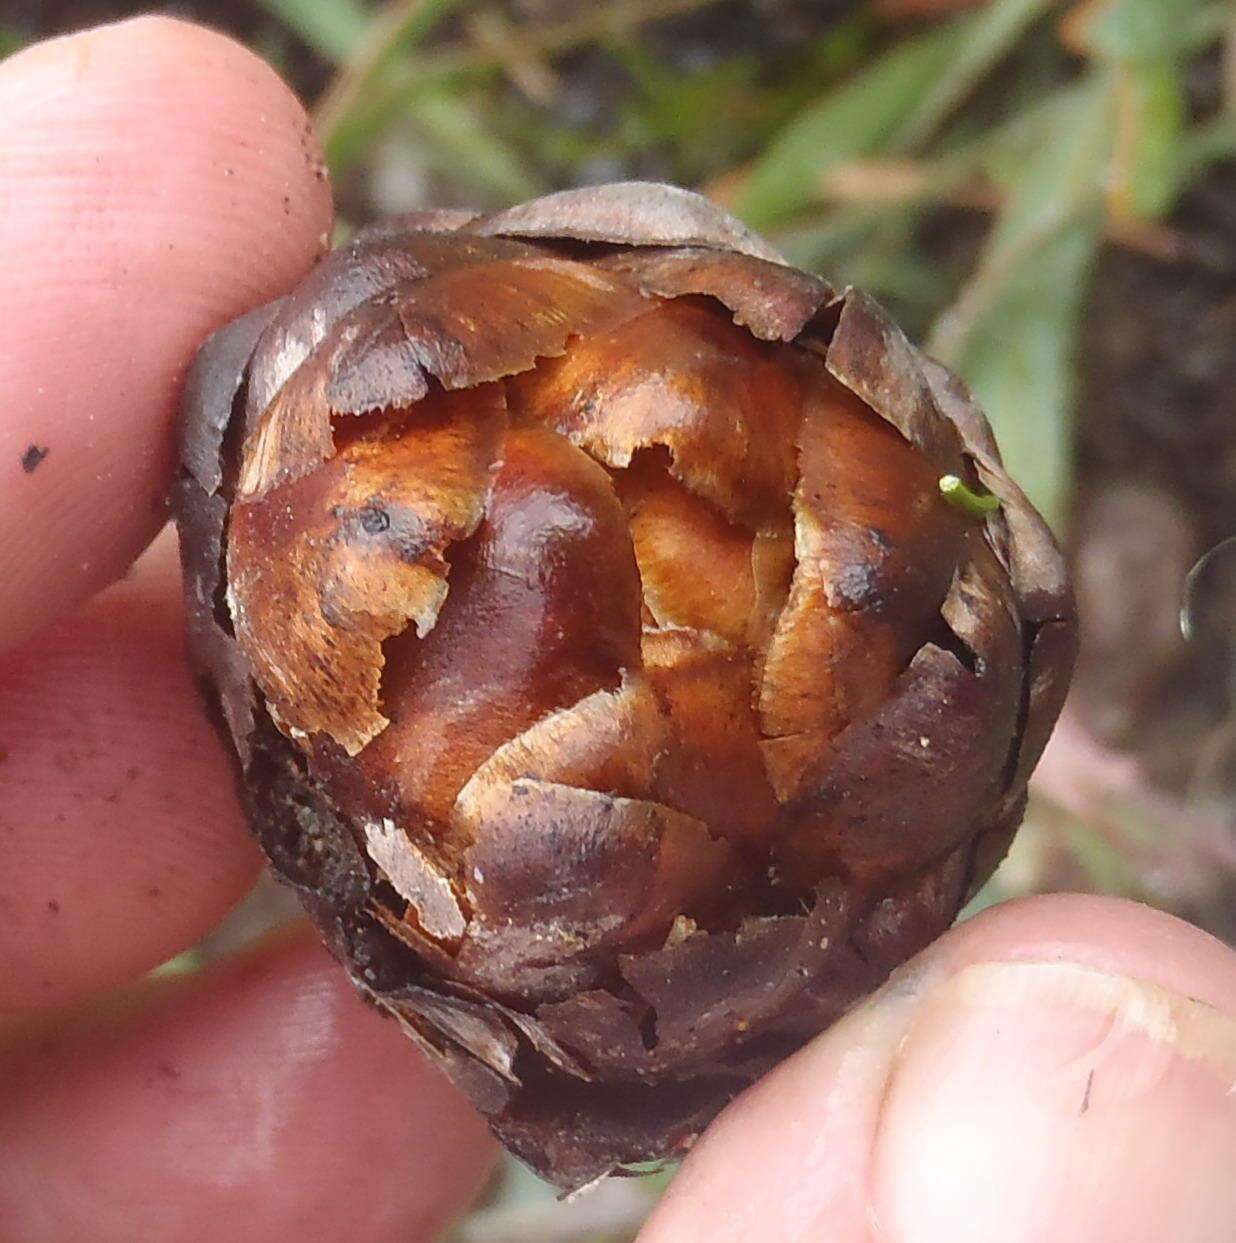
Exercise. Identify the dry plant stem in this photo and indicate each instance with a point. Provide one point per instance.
(526, 68)
(899, 181)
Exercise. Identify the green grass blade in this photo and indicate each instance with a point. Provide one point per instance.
(1020, 362)
(469, 150)
(989, 37)
(1126, 31)
(12, 39)
(1207, 143)
(1043, 192)
(346, 121)
(1156, 114)
(1207, 24)
(421, 21)
(852, 120)
(330, 27)
(1011, 331)
(1144, 45)
(462, 66)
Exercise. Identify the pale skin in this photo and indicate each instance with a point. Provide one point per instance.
(1059, 1070)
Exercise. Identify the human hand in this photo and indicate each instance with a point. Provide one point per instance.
(155, 181)
(1055, 1071)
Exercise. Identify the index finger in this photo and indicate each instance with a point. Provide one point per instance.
(156, 180)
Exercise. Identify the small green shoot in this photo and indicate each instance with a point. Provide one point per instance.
(958, 493)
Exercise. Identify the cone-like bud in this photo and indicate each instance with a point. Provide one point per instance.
(632, 648)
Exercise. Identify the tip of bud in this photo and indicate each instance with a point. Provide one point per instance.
(955, 491)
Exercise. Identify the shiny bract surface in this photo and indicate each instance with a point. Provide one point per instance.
(603, 659)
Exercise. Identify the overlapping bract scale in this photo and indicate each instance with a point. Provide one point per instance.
(621, 587)
(607, 669)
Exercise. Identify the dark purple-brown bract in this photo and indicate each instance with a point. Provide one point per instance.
(604, 664)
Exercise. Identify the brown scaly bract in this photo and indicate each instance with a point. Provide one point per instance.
(603, 663)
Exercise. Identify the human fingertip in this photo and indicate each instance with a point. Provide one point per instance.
(1031, 1099)
(1062, 1068)
(258, 1101)
(159, 179)
(123, 835)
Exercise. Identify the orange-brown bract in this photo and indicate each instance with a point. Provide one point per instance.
(603, 662)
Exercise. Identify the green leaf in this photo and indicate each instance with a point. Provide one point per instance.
(1155, 112)
(1020, 362)
(1145, 46)
(1012, 329)
(1138, 30)
(420, 21)
(12, 39)
(852, 120)
(461, 66)
(1209, 142)
(347, 121)
(796, 83)
(1064, 177)
(894, 104)
(1005, 152)
(330, 27)
(703, 119)
(989, 37)
(351, 137)
(467, 148)
(1206, 24)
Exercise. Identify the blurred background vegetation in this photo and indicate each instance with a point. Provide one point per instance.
(1043, 192)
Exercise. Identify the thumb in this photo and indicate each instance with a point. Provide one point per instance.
(1058, 1070)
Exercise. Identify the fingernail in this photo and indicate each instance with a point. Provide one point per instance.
(1047, 1100)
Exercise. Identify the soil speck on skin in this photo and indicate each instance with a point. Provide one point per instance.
(154, 892)
(33, 456)
(167, 1071)
(53, 906)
